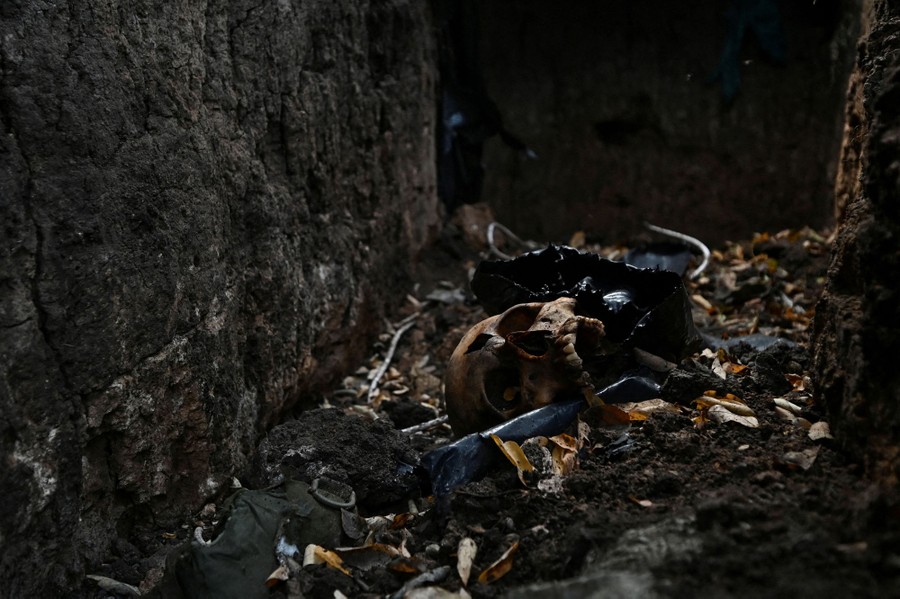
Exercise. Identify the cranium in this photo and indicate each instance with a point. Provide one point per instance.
(517, 361)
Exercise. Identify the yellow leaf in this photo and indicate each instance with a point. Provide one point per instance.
(564, 453)
(736, 368)
(613, 416)
(314, 554)
(405, 565)
(499, 568)
(565, 441)
(798, 382)
(514, 454)
(730, 402)
(640, 410)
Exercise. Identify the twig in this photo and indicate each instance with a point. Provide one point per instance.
(424, 426)
(692, 241)
(493, 247)
(373, 386)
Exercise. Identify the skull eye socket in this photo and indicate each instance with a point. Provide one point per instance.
(501, 389)
(479, 343)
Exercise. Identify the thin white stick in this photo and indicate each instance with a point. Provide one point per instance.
(424, 426)
(373, 386)
(693, 241)
(530, 245)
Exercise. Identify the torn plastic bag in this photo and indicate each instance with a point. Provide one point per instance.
(643, 308)
(258, 526)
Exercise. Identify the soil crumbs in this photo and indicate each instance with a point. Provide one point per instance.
(677, 502)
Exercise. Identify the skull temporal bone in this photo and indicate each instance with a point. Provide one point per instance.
(517, 361)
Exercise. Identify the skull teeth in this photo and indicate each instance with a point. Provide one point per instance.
(569, 340)
(569, 349)
(573, 359)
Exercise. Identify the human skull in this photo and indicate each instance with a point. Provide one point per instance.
(517, 361)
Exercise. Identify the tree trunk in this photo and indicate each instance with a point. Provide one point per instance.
(205, 207)
(856, 339)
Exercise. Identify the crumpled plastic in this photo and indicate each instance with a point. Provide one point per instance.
(643, 308)
(664, 255)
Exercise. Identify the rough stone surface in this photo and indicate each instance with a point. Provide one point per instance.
(204, 207)
(855, 337)
(617, 102)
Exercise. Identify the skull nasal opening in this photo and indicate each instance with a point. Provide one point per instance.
(535, 343)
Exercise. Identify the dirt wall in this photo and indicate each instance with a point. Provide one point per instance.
(621, 104)
(204, 207)
(856, 338)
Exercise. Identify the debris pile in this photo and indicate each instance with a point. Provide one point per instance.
(686, 427)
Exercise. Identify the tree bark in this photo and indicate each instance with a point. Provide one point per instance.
(206, 207)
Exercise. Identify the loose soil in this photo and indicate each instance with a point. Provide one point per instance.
(676, 505)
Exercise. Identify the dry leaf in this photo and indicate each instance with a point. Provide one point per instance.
(280, 574)
(499, 568)
(314, 554)
(703, 303)
(465, 557)
(719, 413)
(729, 401)
(700, 420)
(406, 565)
(800, 459)
(640, 502)
(718, 369)
(820, 430)
(798, 381)
(114, 586)
(514, 454)
(784, 404)
(400, 520)
(369, 556)
(564, 454)
(735, 368)
(642, 409)
(611, 415)
(435, 593)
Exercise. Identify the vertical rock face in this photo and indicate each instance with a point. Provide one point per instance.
(856, 338)
(203, 206)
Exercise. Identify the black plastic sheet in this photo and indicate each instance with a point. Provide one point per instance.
(643, 308)
(664, 255)
(471, 457)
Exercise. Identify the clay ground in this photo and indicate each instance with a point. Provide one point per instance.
(688, 507)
